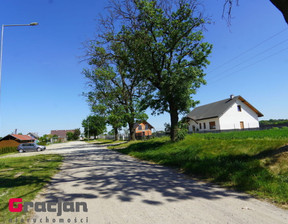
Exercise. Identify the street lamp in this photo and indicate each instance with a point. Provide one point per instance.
(1, 50)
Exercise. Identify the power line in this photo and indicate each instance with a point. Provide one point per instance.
(250, 49)
(263, 59)
(250, 58)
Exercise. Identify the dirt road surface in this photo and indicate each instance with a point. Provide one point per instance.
(119, 189)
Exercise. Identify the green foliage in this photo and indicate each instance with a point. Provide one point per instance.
(111, 132)
(236, 159)
(167, 128)
(94, 125)
(155, 58)
(258, 134)
(174, 63)
(5, 150)
(274, 122)
(47, 138)
(166, 49)
(76, 134)
(115, 93)
(70, 136)
(181, 132)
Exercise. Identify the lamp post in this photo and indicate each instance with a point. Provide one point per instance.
(88, 130)
(1, 50)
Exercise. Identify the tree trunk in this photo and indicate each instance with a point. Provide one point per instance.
(131, 131)
(174, 122)
(116, 137)
(282, 5)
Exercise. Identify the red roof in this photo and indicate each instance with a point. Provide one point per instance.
(23, 137)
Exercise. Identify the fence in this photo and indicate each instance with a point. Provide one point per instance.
(112, 137)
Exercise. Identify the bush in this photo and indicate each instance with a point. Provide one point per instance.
(181, 134)
(182, 131)
(5, 150)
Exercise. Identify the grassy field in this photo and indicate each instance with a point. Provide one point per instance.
(255, 162)
(24, 177)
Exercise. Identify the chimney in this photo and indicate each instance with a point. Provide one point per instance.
(231, 96)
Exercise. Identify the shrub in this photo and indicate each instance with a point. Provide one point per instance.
(181, 134)
(182, 131)
(7, 150)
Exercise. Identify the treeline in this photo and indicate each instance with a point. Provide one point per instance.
(274, 123)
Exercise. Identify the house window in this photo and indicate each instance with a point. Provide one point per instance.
(146, 127)
(200, 126)
(212, 125)
(239, 108)
(204, 125)
(140, 127)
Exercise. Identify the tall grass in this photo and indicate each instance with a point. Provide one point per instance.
(254, 163)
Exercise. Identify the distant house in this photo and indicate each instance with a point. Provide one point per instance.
(33, 135)
(143, 129)
(61, 134)
(229, 114)
(15, 140)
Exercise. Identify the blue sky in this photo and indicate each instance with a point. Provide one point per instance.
(41, 74)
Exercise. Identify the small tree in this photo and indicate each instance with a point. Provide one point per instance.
(94, 125)
(76, 134)
(70, 136)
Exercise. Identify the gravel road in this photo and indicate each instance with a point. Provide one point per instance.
(119, 189)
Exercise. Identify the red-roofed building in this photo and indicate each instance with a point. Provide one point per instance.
(15, 140)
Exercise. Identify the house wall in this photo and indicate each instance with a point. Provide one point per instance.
(202, 122)
(192, 126)
(143, 131)
(232, 117)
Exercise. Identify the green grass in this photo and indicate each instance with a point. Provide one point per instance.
(256, 163)
(275, 133)
(24, 177)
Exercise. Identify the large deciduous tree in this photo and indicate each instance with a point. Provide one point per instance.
(115, 92)
(163, 41)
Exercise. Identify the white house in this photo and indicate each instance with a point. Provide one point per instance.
(229, 114)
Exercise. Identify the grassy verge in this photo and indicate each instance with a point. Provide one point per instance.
(24, 177)
(256, 165)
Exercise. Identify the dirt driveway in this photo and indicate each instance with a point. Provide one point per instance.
(121, 189)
